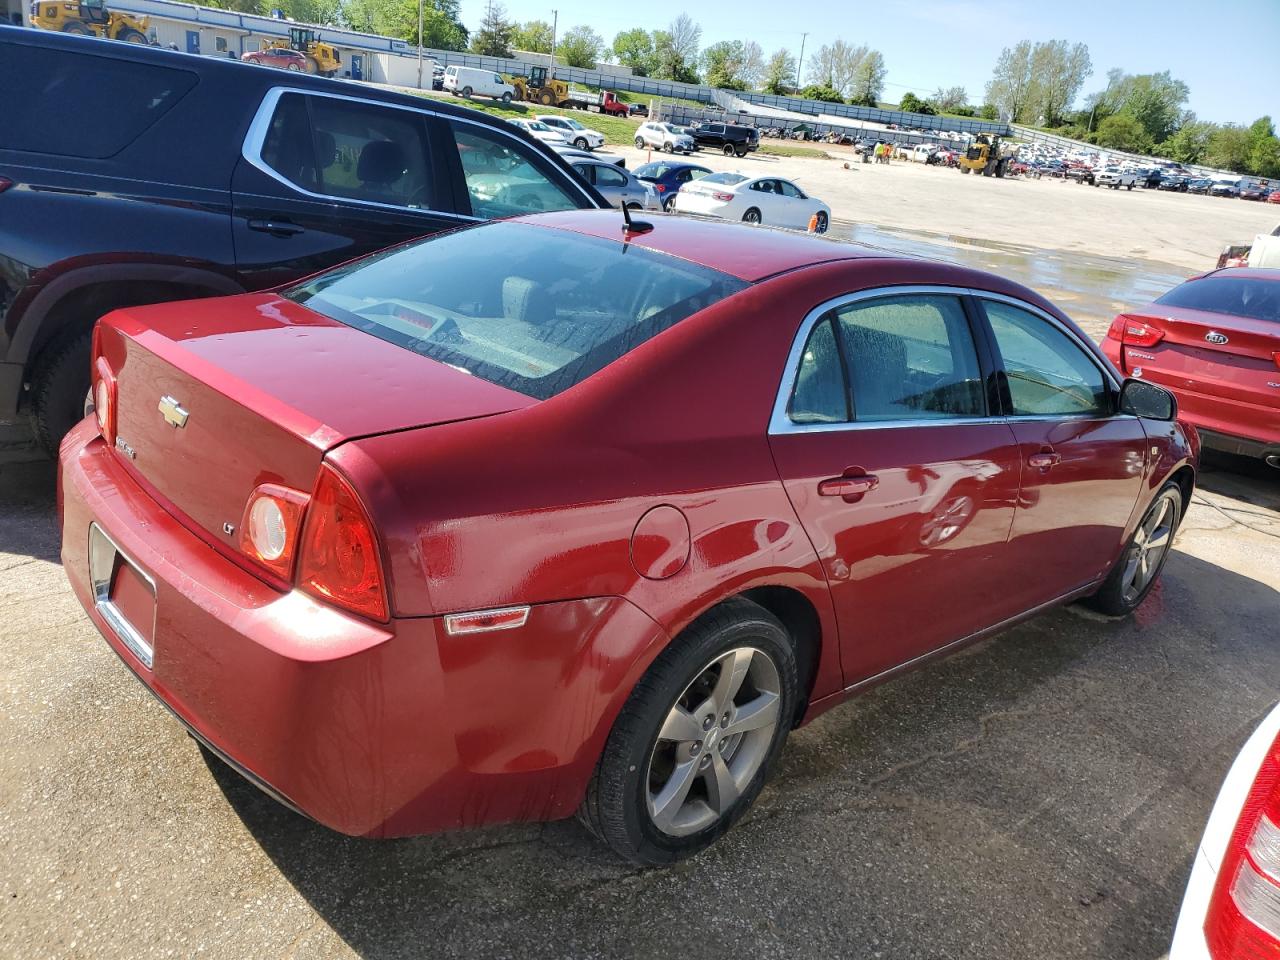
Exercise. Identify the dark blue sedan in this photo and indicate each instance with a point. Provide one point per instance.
(668, 177)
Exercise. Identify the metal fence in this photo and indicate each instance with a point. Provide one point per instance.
(742, 100)
(683, 114)
(1066, 144)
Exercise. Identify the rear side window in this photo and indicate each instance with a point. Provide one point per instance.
(1237, 296)
(355, 151)
(528, 308)
(77, 105)
(910, 358)
(503, 180)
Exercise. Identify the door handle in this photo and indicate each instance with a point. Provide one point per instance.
(277, 228)
(850, 488)
(1044, 459)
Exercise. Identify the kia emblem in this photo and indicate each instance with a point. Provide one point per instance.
(1213, 336)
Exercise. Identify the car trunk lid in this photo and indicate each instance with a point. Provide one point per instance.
(216, 397)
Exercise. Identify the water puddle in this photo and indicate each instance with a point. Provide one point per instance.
(1089, 288)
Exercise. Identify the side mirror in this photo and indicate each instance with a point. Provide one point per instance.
(1141, 399)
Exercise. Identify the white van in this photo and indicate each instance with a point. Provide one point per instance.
(469, 81)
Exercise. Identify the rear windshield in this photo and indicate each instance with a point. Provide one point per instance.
(81, 105)
(727, 178)
(1237, 296)
(530, 309)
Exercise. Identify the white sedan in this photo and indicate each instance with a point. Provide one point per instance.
(768, 200)
(1232, 904)
(539, 131)
(584, 138)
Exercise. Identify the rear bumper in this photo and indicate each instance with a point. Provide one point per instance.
(370, 729)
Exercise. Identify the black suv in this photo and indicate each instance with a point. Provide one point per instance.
(732, 139)
(132, 175)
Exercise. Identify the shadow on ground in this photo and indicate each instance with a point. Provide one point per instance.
(1038, 795)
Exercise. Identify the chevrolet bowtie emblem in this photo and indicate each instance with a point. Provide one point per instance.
(172, 412)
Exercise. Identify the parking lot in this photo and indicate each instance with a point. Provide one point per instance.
(1039, 795)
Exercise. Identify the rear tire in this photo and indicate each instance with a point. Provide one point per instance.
(59, 386)
(728, 150)
(77, 28)
(466, 93)
(1139, 567)
(669, 204)
(130, 35)
(822, 224)
(751, 216)
(646, 751)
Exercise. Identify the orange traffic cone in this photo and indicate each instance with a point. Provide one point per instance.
(813, 224)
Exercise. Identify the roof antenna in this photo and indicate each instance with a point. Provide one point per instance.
(633, 226)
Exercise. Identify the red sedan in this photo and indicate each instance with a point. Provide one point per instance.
(540, 517)
(1215, 342)
(281, 57)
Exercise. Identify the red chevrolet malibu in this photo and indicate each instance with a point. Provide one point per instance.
(541, 517)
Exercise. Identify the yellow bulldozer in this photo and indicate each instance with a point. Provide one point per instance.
(539, 88)
(322, 58)
(88, 18)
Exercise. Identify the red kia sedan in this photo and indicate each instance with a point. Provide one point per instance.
(1214, 341)
(542, 516)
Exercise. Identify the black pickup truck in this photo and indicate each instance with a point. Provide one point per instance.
(131, 174)
(732, 139)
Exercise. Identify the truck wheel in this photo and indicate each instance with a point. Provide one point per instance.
(130, 35)
(313, 67)
(506, 99)
(546, 99)
(466, 93)
(59, 387)
(78, 28)
(740, 154)
(1129, 186)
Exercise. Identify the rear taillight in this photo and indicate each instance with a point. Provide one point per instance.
(1134, 332)
(339, 558)
(660, 187)
(271, 525)
(1243, 919)
(1276, 357)
(723, 197)
(104, 399)
(5, 184)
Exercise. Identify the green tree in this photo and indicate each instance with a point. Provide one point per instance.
(820, 91)
(1229, 148)
(1058, 71)
(1009, 88)
(493, 39)
(533, 36)
(1123, 132)
(1190, 143)
(779, 73)
(1264, 149)
(324, 12)
(950, 99)
(868, 80)
(441, 28)
(668, 62)
(722, 65)
(634, 49)
(910, 103)
(1155, 100)
(581, 47)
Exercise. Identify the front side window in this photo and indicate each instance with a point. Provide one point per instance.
(1049, 374)
(502, 179)
(910, 357)
(528, 308)
(609, 176)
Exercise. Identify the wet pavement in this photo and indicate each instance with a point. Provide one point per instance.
(1090, 289)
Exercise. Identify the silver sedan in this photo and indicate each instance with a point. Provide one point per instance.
(620, 187)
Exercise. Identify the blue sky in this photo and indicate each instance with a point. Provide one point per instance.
(1228, 54)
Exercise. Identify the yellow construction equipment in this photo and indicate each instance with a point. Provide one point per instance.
(322, 58)
(985, 157)
(539, 88)
(89, 18)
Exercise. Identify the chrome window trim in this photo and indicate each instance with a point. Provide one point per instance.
(259, 127)
(781, 424)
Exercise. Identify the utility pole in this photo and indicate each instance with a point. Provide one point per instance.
(420, 2)
(800, 62)
(555, 22)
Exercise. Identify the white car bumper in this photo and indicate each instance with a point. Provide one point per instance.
(702, 203)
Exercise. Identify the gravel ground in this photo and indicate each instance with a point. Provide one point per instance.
(1038, 795)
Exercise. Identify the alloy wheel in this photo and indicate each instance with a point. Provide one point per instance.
(1150, 543)
(713, 741)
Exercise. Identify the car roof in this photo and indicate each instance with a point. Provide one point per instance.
(1243, 273)
(747, 252)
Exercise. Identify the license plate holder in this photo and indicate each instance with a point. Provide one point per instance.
(123, 594)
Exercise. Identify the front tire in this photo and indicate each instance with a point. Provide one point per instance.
(581, 143)
(506, 99)
(130, 35)
(694, 743)
(639, 144)
(1139, 566)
